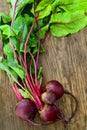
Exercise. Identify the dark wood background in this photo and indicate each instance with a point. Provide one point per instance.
(65, 59)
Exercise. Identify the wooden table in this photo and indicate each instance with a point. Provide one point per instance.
(65, 59)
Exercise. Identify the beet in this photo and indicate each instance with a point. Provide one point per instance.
(55, 87)
(25, 110)
(48, 97)
(50, 113)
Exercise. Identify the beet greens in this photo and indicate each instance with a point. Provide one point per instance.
(23, 33)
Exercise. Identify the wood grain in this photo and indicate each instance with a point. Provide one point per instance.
(65, 59)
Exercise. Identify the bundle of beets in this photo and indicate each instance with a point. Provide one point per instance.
(22, 34)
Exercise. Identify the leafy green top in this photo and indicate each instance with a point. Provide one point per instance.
(57, 17)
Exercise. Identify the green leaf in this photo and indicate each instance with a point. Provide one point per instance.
(29, 19)
(20, 6)
(21, 24)
(4, 67)
(43, 31)
(7, 30)
(16, 43)
(20, 2)
(43, 4)
(70, 5)
(65, 17)
(1, 58)
(40, 72)
(67, 2)
(21, 48)
(18, 46)
(5, 18)
(42, 50)
(25, 93)
(45, 12)
(8, 50)
(13, 64)
(65, 23)
(25, 2)
(14, 74)
(75, 6)
(19, 70)
(12, 1)
(35, 50)
(8, 1)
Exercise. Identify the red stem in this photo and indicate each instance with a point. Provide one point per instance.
(14, 52)
(35, 94)
(32, 79)
(14, 10)
(25, 62)
(38, 102)
(13, 17)
(73, 113)
(17, 93)
(68, 93)
(25, 45)
(36, 80)
(37, 56)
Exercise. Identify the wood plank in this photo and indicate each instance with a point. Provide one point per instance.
(65, 59)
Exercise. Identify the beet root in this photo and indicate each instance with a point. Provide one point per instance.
(50, 113)
(25, 110)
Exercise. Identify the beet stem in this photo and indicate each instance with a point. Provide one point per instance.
(17, 93)
(35, 67)
(14, 52)
(38, 102)
(14, 10)
(68, 93)
(15, 89)
(31, 77)
(16, 81)
(36, 80)
(13, 17)
(35, 94)
(25, 45)
(37, 57)
(40, 124)
(25, 62)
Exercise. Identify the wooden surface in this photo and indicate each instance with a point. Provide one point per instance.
(65, 59)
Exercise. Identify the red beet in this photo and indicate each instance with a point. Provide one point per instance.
(55, 87)
(48, 97)
(25, 110)
(50, 113)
